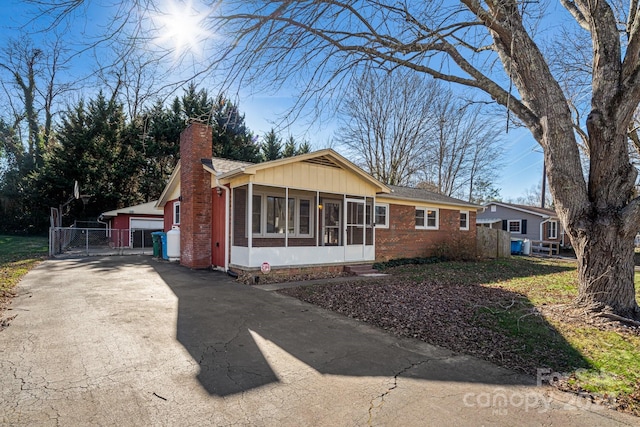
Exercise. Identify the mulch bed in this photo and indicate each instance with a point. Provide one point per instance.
(438, 313)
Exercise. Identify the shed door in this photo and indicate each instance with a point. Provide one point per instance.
(141, 229)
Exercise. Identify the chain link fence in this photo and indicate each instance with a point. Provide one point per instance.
(74, 241)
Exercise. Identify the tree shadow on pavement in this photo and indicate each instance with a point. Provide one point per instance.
(218, 321)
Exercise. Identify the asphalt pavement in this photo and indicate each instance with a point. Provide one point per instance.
(132, 341)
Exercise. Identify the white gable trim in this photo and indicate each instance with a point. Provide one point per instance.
(520, 210)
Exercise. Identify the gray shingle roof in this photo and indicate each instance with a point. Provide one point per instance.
(422, 195)
(224, 165)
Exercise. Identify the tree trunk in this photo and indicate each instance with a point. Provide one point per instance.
(606, 271)
(600, 231)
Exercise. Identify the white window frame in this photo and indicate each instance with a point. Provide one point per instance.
(296, 214)
(493, 208)
(176, 213)
(386, 215)
(296, 200)
(553, 228)
(426, 226)
(465, 227)
(514, 221)
(259, 223)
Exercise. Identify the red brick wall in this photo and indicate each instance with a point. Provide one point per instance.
(403, 240)
(195, 190)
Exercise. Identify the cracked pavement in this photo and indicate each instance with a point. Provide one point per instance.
(132, 341)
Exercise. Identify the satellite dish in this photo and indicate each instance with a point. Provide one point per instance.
(76, 190)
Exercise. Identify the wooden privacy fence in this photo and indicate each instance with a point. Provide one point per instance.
(493, 243)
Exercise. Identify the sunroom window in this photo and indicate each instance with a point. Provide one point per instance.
(271, 217)
(275, 215)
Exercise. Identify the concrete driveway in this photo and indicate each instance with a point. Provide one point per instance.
(132, 341)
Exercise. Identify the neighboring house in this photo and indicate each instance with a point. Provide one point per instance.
(523, 222)
(136, 222)
(312, 211)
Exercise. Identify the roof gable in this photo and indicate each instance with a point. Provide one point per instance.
(533, 210)
(326, 158)
(224, 170)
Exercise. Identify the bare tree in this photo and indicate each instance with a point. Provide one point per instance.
(31, 87)
(462, 148)
(532, 196)
(385, 122)
(403, 128)
(489, 46)
(137, 52)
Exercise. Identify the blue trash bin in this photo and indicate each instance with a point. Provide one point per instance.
(163, 238)
(516, 247)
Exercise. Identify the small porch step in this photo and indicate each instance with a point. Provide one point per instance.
(361, 269)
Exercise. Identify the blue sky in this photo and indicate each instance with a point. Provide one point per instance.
(522, 162)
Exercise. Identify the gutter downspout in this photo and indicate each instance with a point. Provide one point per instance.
(99, 221)
(226, 223)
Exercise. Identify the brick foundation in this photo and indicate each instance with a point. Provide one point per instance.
(253, 276)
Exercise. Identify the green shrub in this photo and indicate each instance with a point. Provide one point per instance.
(407, 261)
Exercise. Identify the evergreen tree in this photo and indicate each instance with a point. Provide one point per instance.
(231, 137)
(289, 149)
(304, 148)
(271, 148)
(292, 149)
(159, 144)
(97, 149)
(14, 172)
(196, 105)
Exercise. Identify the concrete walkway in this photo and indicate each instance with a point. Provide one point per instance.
(131, 341)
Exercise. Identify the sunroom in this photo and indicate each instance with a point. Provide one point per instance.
(310, 210)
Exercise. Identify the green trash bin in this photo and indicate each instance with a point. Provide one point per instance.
(156, 238)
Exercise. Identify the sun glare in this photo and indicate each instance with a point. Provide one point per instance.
(181, 27)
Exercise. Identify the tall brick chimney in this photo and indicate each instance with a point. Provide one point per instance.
(195, 190)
